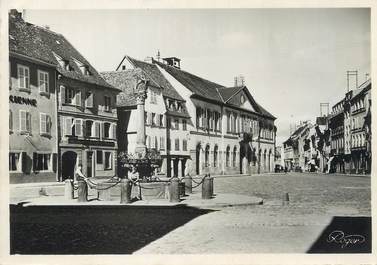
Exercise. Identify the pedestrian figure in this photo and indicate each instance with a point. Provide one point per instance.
(134, 177)
(81, 176)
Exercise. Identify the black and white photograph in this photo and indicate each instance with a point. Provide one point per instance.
(199, 131)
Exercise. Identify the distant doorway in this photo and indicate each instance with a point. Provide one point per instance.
(68, 165)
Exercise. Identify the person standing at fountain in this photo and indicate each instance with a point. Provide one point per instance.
(81, 176)
(133, 176)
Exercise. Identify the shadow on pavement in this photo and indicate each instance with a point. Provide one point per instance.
(345, 235)
(92, 229)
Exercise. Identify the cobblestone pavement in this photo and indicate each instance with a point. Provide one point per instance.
(315, 199)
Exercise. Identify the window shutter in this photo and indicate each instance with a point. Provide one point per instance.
(157, 119)
(114, 131)
(97, 129)
(78, 98)
(62, 94)
(84, 128)
(49, 124)
(28, 121)
(24, 160)
(102, 130)
(35, 161)
(68, 126)
(54, 162)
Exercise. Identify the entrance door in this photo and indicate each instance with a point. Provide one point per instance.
(89, 163)
(68, 165)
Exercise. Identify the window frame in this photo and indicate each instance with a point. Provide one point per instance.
(25, 77)
(18, 164)
(47, 82)
(49, 164)
(27, 121)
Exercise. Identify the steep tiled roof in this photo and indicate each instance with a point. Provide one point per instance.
(196, 84)
(40, 43)
(124, 80)
(227, 92)
(156, 78)
(208, 89)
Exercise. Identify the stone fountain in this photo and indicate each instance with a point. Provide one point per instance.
(144, 160)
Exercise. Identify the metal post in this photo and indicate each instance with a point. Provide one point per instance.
(174, 190)
(125, 191)
(82, 191)
(68, 189)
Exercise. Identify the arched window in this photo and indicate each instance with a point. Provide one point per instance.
(227, 156)
(206, 156)
(234, 156)
(215, 150)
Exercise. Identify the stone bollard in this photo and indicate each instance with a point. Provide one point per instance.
(68, 189)
(104, 192)
(82, 191)
(286, 199)
(206, 189)
(188, 184)
(125, 191)
(211, 186)
(174, 190)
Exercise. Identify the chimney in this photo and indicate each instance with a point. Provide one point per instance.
(14, 13)
(172, 61)
(239, 81)
(158, 56)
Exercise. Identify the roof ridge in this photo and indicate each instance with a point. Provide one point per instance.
(179, 69)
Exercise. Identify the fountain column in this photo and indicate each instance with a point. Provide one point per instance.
(141, 95)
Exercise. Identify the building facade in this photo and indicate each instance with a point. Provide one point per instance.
(359, 106)
(33, 145)
(230, 133)
(166, 116)
(71, 116)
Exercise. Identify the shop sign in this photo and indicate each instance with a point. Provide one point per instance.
(23, 101)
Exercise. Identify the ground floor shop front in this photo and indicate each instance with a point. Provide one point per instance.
(97, 161)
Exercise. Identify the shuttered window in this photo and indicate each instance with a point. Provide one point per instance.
(68, 126)
(23, 75)
(25, 121)
(44, 123)
(78, 127)
(43, 81)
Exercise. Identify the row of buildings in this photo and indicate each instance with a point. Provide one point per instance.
(338, 142)
(62, 113)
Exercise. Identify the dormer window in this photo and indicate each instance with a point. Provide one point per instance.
(62, 62)
(83, 68)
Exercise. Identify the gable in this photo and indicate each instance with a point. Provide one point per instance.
(241, 99)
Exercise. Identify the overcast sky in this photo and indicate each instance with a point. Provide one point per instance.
(292, 59)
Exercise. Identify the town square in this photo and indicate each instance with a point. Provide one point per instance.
(248, 131)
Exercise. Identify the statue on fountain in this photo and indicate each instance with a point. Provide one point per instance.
(144, 160)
